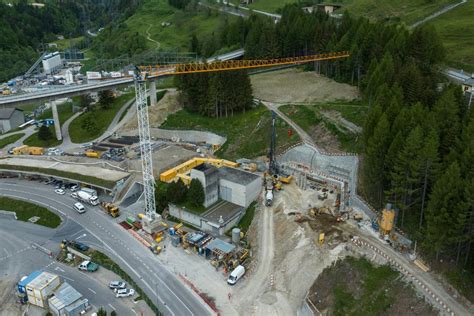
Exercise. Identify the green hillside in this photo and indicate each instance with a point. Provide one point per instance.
(147, 21)
(407, 11)
(457, 31)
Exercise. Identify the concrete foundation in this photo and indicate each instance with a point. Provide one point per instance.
(57, 125)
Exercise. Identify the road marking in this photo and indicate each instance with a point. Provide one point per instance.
(98, 238)
(6, 251)
(59, 269)
(111, 306)
(92, 290)
(133, 311)
(78, 233)
(82, 236)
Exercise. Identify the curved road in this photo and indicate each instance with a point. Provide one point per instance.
(168, 293)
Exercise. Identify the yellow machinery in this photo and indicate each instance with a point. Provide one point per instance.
(27, 150)
(321, 239)
(179, 172)
(111, 209)
(92, 154)
(286, 180)
(387, 220)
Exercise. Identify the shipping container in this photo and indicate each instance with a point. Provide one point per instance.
(41, 287)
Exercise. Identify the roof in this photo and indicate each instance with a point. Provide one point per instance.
(29, 278)
(42, 280)
(224, 209)
(220, 245)
(6, 113)
(64, 296)
(237, 176)
(206, 168)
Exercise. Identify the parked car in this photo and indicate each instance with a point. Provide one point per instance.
(10, 151)
(124, 292)
(80, 246)
(60, 191)
(74, 188)
(117, 285)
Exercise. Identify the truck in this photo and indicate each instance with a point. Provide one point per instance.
(110, 209)
(90, 191)
(92, 154)
(269, 198)
(85, 197)
(28, 150)
(88, 266)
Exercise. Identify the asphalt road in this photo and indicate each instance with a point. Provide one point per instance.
(103, 232)
(19, 258)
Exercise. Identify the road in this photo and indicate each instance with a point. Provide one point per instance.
(19, 258)
(148, 37)
(438, 13)
(302, 134)
(168, 293)
(28, 132)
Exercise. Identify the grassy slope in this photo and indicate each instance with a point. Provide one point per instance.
(308, 117)
(183, 24)
(25, 211)
(254, 125)
(408, 11)
(64, 112)
(101, 118)
(10, 139)
(457, 31)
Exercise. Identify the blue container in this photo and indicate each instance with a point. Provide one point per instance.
(22, 284)
(172, 231)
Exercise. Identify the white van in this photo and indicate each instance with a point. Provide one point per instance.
(236, 275)
(79, 208)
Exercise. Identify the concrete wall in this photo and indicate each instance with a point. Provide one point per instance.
(5, 126)
(239, 194)
(210, 185)
(187, 217)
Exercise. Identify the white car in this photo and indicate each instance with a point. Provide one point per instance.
(124, 292)
(60, 191)
(117, 285)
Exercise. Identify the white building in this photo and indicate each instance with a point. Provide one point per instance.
(10, 118)
(52, 62)
(238, 187)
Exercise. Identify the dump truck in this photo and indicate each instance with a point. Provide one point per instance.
(110, 209)
(85, 197)
(27, 150)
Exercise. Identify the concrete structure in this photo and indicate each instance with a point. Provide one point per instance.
(323, 7)
(209, 178)
(46, 166)
(238, 187)
(218, 219)
(41, 287)
(67, 301)
(10, 118)
(52, 62)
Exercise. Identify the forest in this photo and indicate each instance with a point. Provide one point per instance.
(26, 29)
(418, 137)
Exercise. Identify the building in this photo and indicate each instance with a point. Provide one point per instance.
(10, 118)
(52, 62)
(209, 178)
(41, 287)
(67, 301)
(238, 186)
(328, 7)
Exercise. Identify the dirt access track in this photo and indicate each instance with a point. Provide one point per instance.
(298, 86)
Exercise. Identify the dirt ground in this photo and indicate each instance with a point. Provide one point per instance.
(8, 304)
(290, 258)
(158, 113)
(348, 277)
(295, 85)
(325, 139)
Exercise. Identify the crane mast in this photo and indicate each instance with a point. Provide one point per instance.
(146, 150)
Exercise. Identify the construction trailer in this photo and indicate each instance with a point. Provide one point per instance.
(40, 287)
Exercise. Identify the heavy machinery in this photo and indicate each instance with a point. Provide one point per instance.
(28, 150)
(110, 209)
(92, 153)
(149, 73)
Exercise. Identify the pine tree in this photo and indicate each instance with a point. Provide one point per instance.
(405, 175)
(106, 98)
(196, 193)
(374, 165)
(370, 123)
(45, 134)
(443, 218)
(446, 113)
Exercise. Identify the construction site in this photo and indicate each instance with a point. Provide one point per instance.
(306, 214)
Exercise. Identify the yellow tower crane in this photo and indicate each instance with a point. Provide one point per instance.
(145, 73)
